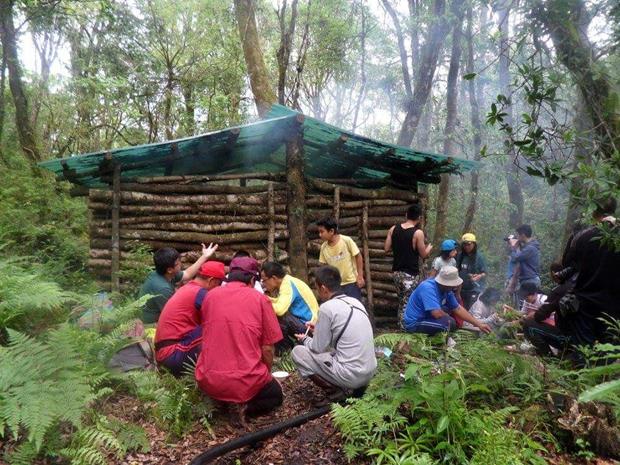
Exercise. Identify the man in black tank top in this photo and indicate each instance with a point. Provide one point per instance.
(406, 240)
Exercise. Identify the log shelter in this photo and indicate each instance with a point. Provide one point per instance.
(258, 187)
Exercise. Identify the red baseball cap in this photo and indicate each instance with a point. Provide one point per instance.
(212, 269)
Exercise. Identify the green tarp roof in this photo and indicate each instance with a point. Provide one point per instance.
(329, 152)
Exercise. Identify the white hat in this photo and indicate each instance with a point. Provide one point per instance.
(449, 276)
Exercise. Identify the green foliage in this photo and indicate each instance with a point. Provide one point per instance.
(429, 412)
(176, 403)
(44, 383)
(39, 220)
(93, 445)
(136, 266)
(28, 298)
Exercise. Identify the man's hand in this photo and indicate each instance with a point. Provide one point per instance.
(529, 318)
(207, 252)
(485, 328)
(301, 336)
(475, 277)
(360, 281)
(513, 243)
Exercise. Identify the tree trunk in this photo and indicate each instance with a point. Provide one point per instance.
(25, 131)
(476, 126)
(360, 97)
(259, 77)
(296, 208)
(430, 52)
(168, 94)
(287, 33)
(583, 150)
(2, 101)
(190, 109)
(515, 194)
(449, 146)
(567, 22)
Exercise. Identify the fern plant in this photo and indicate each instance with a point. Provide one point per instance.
(92, 445)
(44, 383)
(176, 403)
(27, 298)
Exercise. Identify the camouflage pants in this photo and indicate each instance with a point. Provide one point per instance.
(405, 284)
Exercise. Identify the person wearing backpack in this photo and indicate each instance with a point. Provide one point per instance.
(178, 337)
(340, 356)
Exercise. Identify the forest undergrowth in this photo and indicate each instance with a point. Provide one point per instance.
(474, 403)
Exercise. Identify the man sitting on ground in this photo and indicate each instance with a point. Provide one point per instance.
(432, 305)
(161, 282)
(340, 357)
(292, 299)
(239, 330)
(179, 332)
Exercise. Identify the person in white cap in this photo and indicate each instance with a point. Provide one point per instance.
(432, 305)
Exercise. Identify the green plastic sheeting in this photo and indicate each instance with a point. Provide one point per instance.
(329, 152)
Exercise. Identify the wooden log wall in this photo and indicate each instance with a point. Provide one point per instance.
(160, 213)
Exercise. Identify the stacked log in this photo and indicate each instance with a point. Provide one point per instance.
(182, 213)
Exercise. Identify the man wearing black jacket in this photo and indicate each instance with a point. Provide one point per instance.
(596, 292)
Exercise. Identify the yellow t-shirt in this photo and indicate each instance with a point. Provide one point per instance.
(342, 256)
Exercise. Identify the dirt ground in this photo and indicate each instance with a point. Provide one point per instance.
(316, 442)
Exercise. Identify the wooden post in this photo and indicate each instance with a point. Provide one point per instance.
(364, 226)
(296, 204)
(116, 209)
(337, 203)
(271, 211)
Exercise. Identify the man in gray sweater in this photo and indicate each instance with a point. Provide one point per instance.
(341, 354)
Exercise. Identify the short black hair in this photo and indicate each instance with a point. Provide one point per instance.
(241, 253)
(445, 254)
(529, 288)
(165, 258)
(329, 277)
(525, 229)
(328, 223)
(414, 211)
(241, 276)
(606, 206)
(555, 267)
(273, 269)
(490, 296)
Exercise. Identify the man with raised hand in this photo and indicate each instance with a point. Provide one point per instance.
(167, 274)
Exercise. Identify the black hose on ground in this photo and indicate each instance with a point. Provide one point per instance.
(257, 436)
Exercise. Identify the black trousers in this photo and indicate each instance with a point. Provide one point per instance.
(543, 335)
(290, 325)
(268, 398)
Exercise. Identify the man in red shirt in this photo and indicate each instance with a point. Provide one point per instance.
(179, 332)
(240, 329)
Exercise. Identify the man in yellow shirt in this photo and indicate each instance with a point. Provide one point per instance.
(341, 252)
(293, 302)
